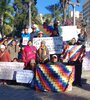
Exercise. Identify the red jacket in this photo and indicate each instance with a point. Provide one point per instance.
(5, 56)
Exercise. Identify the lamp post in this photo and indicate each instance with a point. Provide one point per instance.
(30, 3)
(74, 5)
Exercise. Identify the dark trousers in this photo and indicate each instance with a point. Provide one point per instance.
(78, 72)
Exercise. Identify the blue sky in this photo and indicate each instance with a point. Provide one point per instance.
(41, 4)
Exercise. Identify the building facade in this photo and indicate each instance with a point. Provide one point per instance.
(86, 14)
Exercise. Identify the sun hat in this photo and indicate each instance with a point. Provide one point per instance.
(40, 32)
(43, 42)
(54, 56)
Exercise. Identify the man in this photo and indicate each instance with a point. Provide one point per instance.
(54, 59)
(33, 33)
(25, 37)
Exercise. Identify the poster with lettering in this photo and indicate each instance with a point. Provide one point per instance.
(25, 40)
(8, 69)
(54, 44)
(69, 32)
(24, 76)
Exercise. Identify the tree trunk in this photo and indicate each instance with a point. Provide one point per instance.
(2, 26)
(64, 16)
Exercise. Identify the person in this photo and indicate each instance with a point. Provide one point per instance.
(4, 54)
(57, 27)
(4, 57)
(15, 60)
(72, 41)
(29, 54)
(5, 43)
(13, 50)
(82, 37)
(78, 64)
(40, 34)
(34, 32)
(33, 65)
(20, 54)
(54, 59)
(54, 33)
(43, 53)
(25, 37)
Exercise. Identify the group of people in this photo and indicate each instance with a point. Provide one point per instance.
(31, 56)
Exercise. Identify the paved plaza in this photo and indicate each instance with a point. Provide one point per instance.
(18, 92)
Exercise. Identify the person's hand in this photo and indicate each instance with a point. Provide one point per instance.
(34, 51)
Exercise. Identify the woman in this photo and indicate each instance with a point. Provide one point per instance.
(40, 34)
(5, 43)
(43, 53)
(82, 37)
(13, 50)
(4, 54)
(29, 54)
(4, 57)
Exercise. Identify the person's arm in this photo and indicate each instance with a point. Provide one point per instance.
(47, 54)
(24, 56)
(8, 57)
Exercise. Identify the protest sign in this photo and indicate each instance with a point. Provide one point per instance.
(24, 76)
(54, 44)
(69, 32)
(25, 40)
(8, 69)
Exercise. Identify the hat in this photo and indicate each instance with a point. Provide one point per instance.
(54, 56)
(40, 32)
(2, 46)
(33, 27)
(43, 42)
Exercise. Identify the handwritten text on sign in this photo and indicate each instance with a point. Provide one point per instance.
(24, 76)
(54, 44)
(8, 69)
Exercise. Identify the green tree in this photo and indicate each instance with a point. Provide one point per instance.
(21, 14)
(54, 9)
(6, 14)
(64, 5)
(7, 29)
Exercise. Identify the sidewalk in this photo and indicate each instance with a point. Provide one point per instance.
(12, 92)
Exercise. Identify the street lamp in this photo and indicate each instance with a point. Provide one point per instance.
(30, 3)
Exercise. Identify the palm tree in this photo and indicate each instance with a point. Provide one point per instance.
(54, 9)
(6, 14)
(64, 4)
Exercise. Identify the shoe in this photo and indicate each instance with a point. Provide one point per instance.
(79, 85)
(4, 83)
(74, 84)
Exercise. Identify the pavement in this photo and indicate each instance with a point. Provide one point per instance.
(21, 92)
(17, 92)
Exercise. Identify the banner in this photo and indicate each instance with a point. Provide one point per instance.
(54, 44)
(8, 69)
(54, 78)
(69, 32)
(24, 76)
